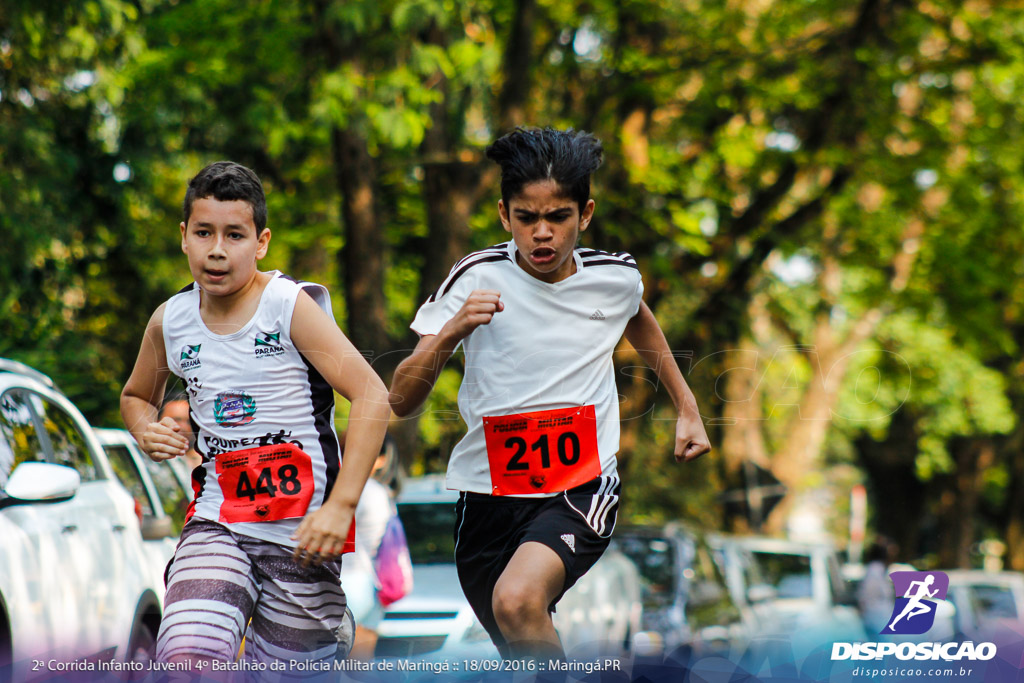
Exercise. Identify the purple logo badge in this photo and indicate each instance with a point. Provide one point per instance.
(917, 595)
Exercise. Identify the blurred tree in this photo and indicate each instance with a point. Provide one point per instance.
(812, 190)
(71, 291)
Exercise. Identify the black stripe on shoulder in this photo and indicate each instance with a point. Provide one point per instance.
(187, 288)
(610, 262)
(493, 249)
(303, 284)
(465, 264)
(597, 253)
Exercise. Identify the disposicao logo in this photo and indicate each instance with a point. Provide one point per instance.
(914, 613)
(917, 598)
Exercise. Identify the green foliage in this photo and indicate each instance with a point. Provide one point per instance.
(739, 136)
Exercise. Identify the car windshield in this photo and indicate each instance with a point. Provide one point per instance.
(428, 530)
(654, 558)
(790, 574)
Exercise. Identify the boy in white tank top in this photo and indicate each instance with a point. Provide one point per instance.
(260, 357)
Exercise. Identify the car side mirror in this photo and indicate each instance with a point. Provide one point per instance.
(41, 482)
(155, 528)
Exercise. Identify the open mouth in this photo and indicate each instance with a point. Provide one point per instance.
(216, 275)
(542, 255)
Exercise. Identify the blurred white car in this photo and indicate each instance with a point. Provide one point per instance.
(160, 492)
(986, 602)
(686, 601)
(601, 611)
(74, 578)
(795, 590)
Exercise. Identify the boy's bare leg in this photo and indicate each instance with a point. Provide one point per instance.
(533, 578)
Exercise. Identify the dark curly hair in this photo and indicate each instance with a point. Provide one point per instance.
(527, 155)
(226, 181)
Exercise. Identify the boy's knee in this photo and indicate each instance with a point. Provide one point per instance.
(517, 603)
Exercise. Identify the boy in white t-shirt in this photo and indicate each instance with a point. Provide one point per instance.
(260, 358)
(538, 319)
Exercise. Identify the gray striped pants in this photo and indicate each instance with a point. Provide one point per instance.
(221, 586)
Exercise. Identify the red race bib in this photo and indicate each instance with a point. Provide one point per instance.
(548, 451)
(264, 484)
(268, 483)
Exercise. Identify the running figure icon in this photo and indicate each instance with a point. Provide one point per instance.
(915, 606)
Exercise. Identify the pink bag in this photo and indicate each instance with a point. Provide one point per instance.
(393, 564)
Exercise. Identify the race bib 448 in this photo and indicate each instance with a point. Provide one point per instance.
(264, 484)
(547, 451)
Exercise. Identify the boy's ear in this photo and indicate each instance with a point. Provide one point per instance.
(588, 213)
(262, 243)
(183, 229)
(503, 215)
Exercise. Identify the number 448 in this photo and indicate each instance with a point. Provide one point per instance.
(288, 483)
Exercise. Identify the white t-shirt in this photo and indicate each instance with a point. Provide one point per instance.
(374, 511)
(551, 347)
(254, 389)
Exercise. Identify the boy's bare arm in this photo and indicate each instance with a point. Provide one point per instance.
(321, 535)
(143, 392)
(646, 336)
(415, 376)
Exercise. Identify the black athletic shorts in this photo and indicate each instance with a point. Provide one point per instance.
(576, 524)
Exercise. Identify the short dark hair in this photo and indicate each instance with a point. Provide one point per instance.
(227, 181)
(527, 155)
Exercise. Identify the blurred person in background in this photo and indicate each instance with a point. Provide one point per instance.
(176, 408)
(875, 595)
(379, 572)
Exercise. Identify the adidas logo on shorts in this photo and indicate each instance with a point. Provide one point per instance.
(570, 540)
(597, 315)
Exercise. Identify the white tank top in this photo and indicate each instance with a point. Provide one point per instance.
(262, 415)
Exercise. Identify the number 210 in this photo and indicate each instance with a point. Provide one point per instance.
(567, 447)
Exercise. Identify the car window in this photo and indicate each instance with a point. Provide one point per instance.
(428, 529)
(127, 473)
(790, 574)
(20, 442)
(174, 498)
(66, 439)
(655, 559)
(993, 602)
(842, 591)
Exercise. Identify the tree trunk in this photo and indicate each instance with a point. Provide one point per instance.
(896, 497)
(958, 509)
(362, 258)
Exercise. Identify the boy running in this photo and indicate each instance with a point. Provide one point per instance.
(260, 360)
(538, 320)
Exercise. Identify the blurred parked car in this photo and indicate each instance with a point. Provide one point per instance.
(986, 602)
(159, 490)
(685, 597)
(795, 590)
(73, 577)
(435, 620)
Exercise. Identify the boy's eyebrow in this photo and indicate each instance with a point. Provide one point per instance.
(229, 226)
(552, 212)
